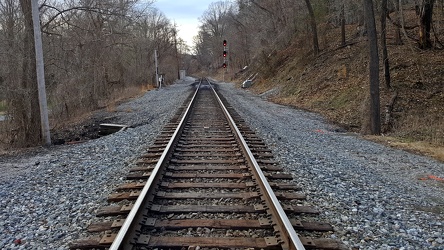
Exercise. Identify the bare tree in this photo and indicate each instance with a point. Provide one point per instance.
(30, 115)
(385, 59)
(215, 22)
(314, 28)
(398, 39)
(374, 107)
(215, 18)
(95, 51)
(10, 85)
(425, 13)
(343, 24)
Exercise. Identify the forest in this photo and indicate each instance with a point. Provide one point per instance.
(372, 67)
(97, 52)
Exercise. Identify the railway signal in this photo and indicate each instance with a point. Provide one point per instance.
(224, 54)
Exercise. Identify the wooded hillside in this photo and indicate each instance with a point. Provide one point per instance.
(316, 54)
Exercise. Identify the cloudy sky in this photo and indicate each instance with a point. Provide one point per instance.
(185, 13)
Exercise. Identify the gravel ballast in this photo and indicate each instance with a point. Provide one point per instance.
(371, 194)
(47, 199)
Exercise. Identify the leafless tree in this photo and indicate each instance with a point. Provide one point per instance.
(374, 107)
(425, 13)
(385, 59)
(94, 50)
(343, 25)
(11, 86)
(314, 28)
(398, 39)
(215, 21)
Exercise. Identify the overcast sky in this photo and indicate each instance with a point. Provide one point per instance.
(185, 13)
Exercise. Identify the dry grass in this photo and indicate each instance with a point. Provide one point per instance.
(3, 107)
(417, 147)
(131, 92)
(426, 126)
(110, 105)
(60, 124)
(146, 87)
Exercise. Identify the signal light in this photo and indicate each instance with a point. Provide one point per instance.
(224, 65)
(225, 43)
(225, 53)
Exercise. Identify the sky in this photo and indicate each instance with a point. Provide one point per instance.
(185, 13)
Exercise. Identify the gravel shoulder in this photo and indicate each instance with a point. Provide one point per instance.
(50, 195)
(371, 194)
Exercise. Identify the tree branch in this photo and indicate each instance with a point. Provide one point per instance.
(81, 8)
(400, 25)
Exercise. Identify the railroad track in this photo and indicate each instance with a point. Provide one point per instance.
(208, 182)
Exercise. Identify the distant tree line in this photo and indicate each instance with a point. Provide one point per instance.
(94, 51)
(257, 29)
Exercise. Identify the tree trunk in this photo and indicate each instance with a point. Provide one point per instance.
(374, 109)
(398, 38)
(314, 29)
(425, 24)
(385, 59)
(343, 25)
(31, 115)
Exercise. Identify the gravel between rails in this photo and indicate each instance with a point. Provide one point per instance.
(371, 194)
(49, 197)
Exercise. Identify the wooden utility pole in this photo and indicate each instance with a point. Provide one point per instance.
(40, 68)
(157, 68)
(177, 52)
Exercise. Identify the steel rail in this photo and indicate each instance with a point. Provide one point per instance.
(294, 241)
(130, 219)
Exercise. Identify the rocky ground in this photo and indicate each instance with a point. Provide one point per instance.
(375, 197)
(48, 196)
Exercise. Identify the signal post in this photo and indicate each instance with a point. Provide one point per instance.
(225, 55)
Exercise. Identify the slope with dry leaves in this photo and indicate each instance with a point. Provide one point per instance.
(335, 84)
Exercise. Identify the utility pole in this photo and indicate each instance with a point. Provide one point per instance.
(157, 68)
(40, 68)
(177, 52)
